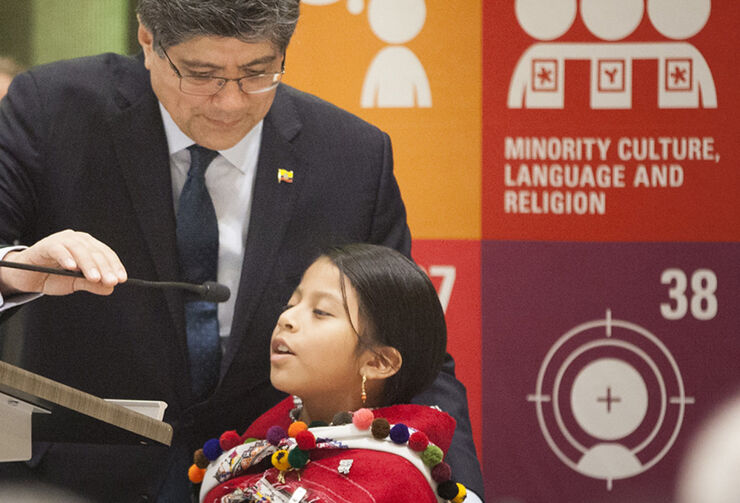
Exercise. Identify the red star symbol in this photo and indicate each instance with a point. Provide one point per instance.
(544, 75)
(679, 75)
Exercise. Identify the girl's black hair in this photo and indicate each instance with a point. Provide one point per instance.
(398, 307)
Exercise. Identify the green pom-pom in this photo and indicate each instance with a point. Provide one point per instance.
(432, 455)
(250, 440)
(297, 458)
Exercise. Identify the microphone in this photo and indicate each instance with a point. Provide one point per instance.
(209, 291)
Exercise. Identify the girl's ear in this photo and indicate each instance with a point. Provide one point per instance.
(381, 363)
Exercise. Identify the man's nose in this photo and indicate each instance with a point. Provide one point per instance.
(230, 97)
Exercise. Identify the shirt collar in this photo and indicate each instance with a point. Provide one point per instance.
(236, 155)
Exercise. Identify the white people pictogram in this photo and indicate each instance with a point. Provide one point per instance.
(684, 77)
(396, 77)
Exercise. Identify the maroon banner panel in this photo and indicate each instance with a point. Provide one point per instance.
(602, 363)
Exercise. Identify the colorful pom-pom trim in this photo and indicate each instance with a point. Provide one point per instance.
(441, 472)
(229, 439)
(275, 434)
(341, 418)
(200, 460)
(299, 456)
(462, 493)
(296, 427)
(212, 449)
(431, 455)
(418, 441)
(305, 440)
(196, 474)
(399, 433)
(363, 418)
(380, 428)
(280, 460)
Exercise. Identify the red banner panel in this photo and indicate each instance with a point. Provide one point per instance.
(454, 268)
(611, 120)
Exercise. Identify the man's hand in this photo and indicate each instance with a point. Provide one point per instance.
(71, 250)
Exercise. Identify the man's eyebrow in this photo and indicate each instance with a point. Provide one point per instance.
(259, 61)
(195, 63)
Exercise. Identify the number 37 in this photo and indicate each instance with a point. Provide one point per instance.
(703, 302)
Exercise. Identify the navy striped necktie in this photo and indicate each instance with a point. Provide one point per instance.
(197, 243)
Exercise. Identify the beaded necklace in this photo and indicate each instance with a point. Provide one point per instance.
(290, 451)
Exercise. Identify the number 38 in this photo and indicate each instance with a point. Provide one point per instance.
(703, 303)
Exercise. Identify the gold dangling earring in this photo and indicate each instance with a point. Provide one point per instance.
(363, 395)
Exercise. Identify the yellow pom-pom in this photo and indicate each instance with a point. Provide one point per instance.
(280, 460)
(196, 474)
(462, 493)
(296, 427)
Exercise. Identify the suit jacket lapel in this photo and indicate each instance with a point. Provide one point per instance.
(272, 206)
(141, 147)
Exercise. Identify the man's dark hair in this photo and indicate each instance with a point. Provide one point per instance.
(398, 307)
(174, 21)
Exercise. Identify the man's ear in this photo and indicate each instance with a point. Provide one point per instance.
(146, 41)
(381, 363)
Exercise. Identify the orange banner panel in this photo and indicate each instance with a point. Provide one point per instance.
(412, 68)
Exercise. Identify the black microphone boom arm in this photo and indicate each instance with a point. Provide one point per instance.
(209, 291)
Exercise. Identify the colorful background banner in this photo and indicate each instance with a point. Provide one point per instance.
(570, 170)
(571, 174)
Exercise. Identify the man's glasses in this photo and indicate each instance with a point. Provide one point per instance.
(208, 86)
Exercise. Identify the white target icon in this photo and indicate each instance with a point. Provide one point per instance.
(610, 399)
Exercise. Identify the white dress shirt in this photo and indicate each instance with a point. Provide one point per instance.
(230, 180)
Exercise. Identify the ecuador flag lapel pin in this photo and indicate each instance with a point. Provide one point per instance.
(284, 175)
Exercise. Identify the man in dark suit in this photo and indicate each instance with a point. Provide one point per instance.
(94, 156)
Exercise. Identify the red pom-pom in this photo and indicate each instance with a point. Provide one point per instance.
(441, 472)
(229, 439)
(305, 440)
(363, 418)
(296, 427)
(418, 441)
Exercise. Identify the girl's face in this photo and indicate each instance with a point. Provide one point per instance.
(314, 346)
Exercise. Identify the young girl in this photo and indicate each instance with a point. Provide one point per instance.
(363, 332)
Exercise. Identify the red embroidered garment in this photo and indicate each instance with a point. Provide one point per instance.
(374, 476)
